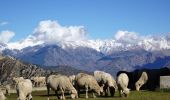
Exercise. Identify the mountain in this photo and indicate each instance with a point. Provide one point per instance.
(53, 55)
(134, 59)
(11, 67)
(89, 55)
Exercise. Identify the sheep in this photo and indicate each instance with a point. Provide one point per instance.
(72, 79)
(2, 96)
(60, 83)
(88, 82)
(142, 80)
(122, 82)
(24, 89)
(106, 81)
(38, 81)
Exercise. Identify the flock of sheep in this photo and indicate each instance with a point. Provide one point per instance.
(101, 83)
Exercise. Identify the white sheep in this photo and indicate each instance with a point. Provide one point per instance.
(2, 96)
(24, 89)
(60, 83)
(122, 82)
(38, 81)
(142, 80)
(88, 82)
(106, 81)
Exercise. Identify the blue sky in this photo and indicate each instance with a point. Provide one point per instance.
(101, 18)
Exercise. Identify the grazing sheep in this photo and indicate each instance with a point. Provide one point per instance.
(72, 79)
(153, 77)
(142, 80)
(106, 81)
(38, 81)
(24, 89)
(122, 82)
(60, 83)
(2, 96)
(88, 82)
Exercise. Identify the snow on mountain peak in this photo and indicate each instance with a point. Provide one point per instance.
(128, 41)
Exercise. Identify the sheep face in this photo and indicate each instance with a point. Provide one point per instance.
(126, 92)
(74, 94)
(22, 98)
(138, 85)
(99, 90)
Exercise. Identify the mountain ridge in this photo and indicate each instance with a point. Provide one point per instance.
(90, 55)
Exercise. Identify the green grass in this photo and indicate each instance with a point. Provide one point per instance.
(134, 95)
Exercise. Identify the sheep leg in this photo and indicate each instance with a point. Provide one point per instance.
(93, 95)
(107, 91)
(78, 93)
(56, 92)
(86, 91)
(120, 92)
(48, 91)
(62, 94)
(78, 90)
(39, 84)
(102, 86)
(112, 91)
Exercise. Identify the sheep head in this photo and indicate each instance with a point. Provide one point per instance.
(138, 85)
(126, 92)
(74, 94)
(142, 80)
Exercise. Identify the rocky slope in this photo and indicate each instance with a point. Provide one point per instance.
(11, 67)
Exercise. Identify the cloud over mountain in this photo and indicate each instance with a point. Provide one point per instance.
(127, 37)
(51, 32)
(6, 36)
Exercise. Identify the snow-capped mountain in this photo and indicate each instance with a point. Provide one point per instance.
(109, 46)
(109, 55)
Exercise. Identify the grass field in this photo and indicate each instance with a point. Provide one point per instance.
(134, 95)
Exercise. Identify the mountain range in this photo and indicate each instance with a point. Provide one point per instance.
(89, 55)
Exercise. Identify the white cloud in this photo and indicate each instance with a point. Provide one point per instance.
(127, 37)
(3, 23)
(6, 36)
(52, 32)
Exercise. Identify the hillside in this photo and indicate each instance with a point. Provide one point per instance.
(11, 67)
